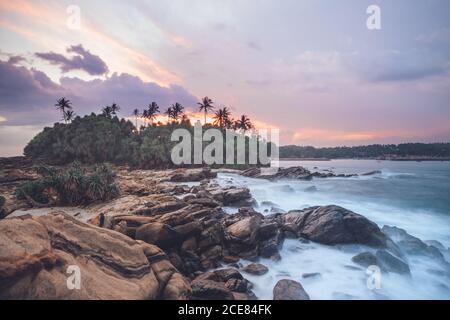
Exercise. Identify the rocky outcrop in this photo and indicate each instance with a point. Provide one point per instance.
(183, 175)
(36, 254)
(410, 244)
(333, 225)
(293, 173)
(289, 290)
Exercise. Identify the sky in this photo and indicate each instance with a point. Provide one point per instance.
(311, 68)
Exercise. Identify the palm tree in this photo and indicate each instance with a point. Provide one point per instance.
(222, 117)
(115, 108)
(243, 123)
(169, 113)
(144, 114)
(107, 111)
(152, 111)
(136, 114)
(206, 105)
(69, 115)
(63, 105)
(177, 111)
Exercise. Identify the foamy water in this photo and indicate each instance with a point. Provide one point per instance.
(412, 196)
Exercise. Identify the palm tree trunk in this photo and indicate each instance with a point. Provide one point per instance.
(205, 117)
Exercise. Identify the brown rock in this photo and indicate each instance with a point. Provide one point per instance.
(289, 290)
(36, 252)
(256, 269)
(159, 234)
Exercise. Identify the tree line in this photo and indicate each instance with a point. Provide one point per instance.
(176, 112)
(380, 151)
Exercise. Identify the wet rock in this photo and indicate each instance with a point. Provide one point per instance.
(311, 275)
(384, 260)
(390, 263)
(159, 234)
(256, 269)
(289, 290)
(311, 189)
(365, 259)
(371, 173)
(410, 244)
(333, 225)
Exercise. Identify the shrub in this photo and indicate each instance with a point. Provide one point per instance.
(70, 186)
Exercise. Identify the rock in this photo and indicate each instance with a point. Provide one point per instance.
(168, 206)
(311, 275)
(289, 290)
(210, 290)
(365, 259)
(192, 175)
(241, 237)
(311, 189)
(256, 269)
(36, 253)
(383, 259)
(410, 244)
(243, 231)
(237, 196)
(2, 203)
(435, 244)
(159, 234)
(237, 285)
(371, 173)
(333, 225)
(390, 263)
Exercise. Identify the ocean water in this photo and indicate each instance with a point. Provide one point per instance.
(414, 196)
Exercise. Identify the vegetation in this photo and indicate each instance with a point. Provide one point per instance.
(389, 151)
(106, 138)
(74, 185)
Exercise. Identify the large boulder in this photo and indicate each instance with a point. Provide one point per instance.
(410, 244)
(289, 290)
(36, 254)
(160, 234)
(333, 225)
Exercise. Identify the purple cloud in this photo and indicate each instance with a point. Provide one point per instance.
(27, 96)
(83, 60)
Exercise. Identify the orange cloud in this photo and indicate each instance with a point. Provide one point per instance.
(117, 53)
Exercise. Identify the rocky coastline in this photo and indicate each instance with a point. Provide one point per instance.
(167, 236)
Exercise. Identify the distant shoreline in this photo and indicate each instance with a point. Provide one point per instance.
(380, 159)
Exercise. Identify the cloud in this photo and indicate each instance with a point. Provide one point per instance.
(27, 96)
(82, 60)
(398, 66)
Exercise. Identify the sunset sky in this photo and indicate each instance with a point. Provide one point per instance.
(310, 68)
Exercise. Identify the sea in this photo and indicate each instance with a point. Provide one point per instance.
(414, 196)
